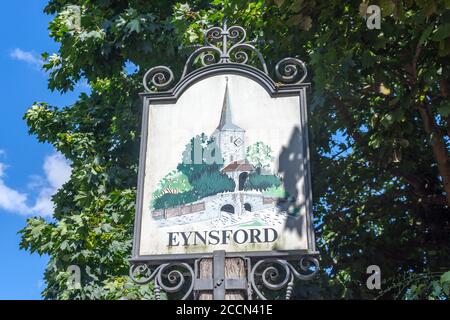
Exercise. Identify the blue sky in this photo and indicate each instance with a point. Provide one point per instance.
(29, 171)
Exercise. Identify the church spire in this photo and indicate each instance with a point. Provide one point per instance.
(226, 121)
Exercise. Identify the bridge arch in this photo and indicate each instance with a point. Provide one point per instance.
(228, 208)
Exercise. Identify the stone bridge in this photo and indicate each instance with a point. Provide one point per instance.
(236, 202)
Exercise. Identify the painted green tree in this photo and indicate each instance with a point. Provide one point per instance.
(261, 182)
(201, 164)
(260, 155)
(379, 134)
(174, 182)
(197, 176)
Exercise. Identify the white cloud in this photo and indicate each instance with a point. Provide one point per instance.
(27, 57)
(57, 171)
(10, 199)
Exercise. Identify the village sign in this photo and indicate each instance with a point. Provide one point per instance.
(224, 171)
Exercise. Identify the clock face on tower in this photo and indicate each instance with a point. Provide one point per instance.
(238, 142)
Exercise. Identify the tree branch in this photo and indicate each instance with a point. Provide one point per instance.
(438, 146)
(444, 93)
(417, 183)
(437, 140)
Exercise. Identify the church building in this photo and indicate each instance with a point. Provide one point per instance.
(231, 140)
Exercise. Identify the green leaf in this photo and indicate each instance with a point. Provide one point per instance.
(445, 278)
(442, 32)
(444, 109)
(425, 34)
(387, 7)
(387, 120)
(134, 25)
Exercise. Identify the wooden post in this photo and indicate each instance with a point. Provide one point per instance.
(219, 269)
(206, 266)
(235, 268)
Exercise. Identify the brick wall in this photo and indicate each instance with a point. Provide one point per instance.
(178, 211)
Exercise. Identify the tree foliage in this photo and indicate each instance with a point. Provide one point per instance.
(261, 182)
(170, 200)
(172, 183)
(202, 161)
(260, 155)
(379, 131)
(196, 177)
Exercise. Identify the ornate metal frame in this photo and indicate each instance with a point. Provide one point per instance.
(263, 276)
(225, 45)
(225, 51)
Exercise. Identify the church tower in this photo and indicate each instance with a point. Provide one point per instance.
(229, 137)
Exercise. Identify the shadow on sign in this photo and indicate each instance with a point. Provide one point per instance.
(291, 163)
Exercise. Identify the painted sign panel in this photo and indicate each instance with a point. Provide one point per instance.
(224, 167)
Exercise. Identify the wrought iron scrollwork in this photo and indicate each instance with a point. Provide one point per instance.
(222, 45)
(276, 274)
(291, 70)
(208, 56)
(267, 275)
(160, 77)
(225, 45)
(172, 278)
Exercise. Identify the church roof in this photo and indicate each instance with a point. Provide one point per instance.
(242, 165)
(226, 121)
